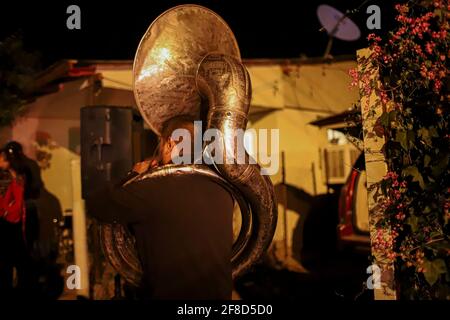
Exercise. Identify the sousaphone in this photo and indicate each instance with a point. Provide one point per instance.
(188, 63)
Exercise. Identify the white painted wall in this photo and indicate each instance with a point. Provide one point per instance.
(301, 143)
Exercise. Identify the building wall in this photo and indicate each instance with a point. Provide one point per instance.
(53, 143)
(50, 130)
(322, 86)
(301, 143)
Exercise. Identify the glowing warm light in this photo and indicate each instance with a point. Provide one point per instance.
(148, 72)
(160, 56)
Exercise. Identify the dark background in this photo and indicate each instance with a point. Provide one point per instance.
(112, 29)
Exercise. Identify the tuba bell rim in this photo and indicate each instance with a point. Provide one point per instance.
(231, 36)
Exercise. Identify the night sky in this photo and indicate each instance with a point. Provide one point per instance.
(112, 29)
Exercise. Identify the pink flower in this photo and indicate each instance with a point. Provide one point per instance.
(418, 50)
(437, 85)
(429, 47)
(376, 49)
(431, 75)
(400, 32)
(401, 8)
(392, 255)
(387, 59)
(353, 73)
(384, 97)
(391, 175)
(439, 35)
(423, 70)
(400, 216)
(438, 4)
(373, 37)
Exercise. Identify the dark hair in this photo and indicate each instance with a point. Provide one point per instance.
(14, 147)
(15, 159)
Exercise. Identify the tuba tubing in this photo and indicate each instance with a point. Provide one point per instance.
(225, 83)
(189, 55)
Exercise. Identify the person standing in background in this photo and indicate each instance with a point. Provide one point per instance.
(13, 249)
(33, 187)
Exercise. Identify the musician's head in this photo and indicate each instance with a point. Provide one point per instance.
(169, 146)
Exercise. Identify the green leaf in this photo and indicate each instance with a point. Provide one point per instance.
(433, 270)
(400, 137)
(425, 136)
(384, 119)
(439, 168)
(414, 172)
(426, 160)
(413, 221)
(392, 115)
(439, 245)
(410, 137)
(433, 132)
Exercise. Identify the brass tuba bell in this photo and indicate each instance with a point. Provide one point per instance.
(188, 56)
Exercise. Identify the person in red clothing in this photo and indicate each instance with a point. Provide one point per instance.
(12, 207)
(13, 252)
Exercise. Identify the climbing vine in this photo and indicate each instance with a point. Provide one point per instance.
(412, 89)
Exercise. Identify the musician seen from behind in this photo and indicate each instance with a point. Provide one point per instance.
(182, 225)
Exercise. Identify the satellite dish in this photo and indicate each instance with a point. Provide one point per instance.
(337, 24)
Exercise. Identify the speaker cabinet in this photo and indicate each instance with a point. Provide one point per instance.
(112, 140)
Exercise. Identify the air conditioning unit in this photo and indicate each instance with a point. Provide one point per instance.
(338, 161)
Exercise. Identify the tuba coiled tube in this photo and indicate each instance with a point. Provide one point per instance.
(225, 83)
(189, 53)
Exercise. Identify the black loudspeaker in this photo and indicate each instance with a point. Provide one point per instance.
(112, 140)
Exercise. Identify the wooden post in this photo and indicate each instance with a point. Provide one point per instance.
(79, 230)
(376, 169)
(285, 206)
(314, 182)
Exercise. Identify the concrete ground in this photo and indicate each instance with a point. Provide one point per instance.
(342, 277)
